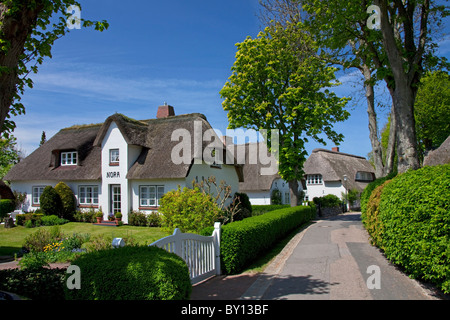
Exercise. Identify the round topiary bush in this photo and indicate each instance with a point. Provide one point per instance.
(131, 273)
(50, 201)
(68, 201)
(415, 214)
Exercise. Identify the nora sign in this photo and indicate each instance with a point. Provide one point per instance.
(113, 174)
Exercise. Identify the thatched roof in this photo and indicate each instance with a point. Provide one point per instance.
(253, 179)
(42, 164)
(333, 165)
(155, 161)
(154, 136)
(439, 156)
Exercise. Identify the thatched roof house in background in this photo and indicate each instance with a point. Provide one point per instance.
(325, 171)
(257, 185)
(439, 156)
(122, 164)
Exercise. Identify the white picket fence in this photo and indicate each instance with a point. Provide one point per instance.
(201, 253)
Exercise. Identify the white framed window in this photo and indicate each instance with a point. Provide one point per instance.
(69, 158)
(287, 199)
(37, 191)
(88, 195)
(114, 156)
(314, 179)
(149, 196)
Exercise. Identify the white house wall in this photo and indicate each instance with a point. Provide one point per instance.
(227, 173)
(169, 185)
(263, 197)
(27, 187)
(114, 175)
(326, 187)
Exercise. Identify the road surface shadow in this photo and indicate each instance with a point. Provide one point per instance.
(297, 287)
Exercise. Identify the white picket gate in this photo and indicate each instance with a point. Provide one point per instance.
(201, 253)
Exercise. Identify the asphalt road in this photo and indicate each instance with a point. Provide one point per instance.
(332, 259)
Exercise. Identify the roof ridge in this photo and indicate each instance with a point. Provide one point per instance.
(337, 153)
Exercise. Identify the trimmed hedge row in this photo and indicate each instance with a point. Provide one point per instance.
(131, 273)
(243, 241)
(365, 195)
(409, 218)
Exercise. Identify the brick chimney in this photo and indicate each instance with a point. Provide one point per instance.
(335, 149)
(165, 111)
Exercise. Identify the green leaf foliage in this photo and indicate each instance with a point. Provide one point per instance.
(67, 200)
(50, 202)
(131, 273)
(279, 82)
(412, 223)
(190, 210)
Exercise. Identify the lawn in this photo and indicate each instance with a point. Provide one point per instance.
(11, 240)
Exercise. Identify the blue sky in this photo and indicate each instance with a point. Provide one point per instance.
(173, 51)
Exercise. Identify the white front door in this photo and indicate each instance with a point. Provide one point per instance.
(115, 198)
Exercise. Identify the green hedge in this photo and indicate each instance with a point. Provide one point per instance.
(37, 284)
(131, 273)
(244, 241)
(261, 209)
(413, 223)
(365, 195)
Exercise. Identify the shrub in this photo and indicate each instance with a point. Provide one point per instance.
(67, 200)
(137, 218)
(30, 219)
(37, 284)
(154, 219)
(43, 236)
(365, 195)
(328, 201)
(415, 214)
(52, 220)
(243, 206)
(275, 197)
(190, 210)
(243, 241)
(85, 216)
(50, 201)
(6, 206)
(371, 219)
(131, 273)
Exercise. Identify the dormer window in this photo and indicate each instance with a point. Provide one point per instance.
(114, 157)
(69, 158)
(364, 176)
(314, 179)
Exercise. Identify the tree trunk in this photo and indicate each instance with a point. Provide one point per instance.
(377, 150)
(404, 96)
(15, 30)
(293, 194)
(406, 140)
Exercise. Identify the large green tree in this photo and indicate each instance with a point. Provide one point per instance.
(278, 82)
(28, 30)
(397, 49)
(432, 111)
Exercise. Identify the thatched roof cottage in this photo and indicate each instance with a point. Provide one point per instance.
(257, 185)
(123, 164)
(334, 172)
